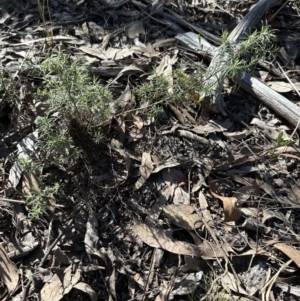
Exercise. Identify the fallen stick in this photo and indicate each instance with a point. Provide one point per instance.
(278, 103)
(275, 101)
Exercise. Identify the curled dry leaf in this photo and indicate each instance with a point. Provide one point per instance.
(29, 183)
(181, 196)
(138, 121)
(117, 146)
(134, 29)
(132, 69)
(192, 136)
(166, 164)
(86, 289)
(107, 257)
(239, 135)
(21, 251)
(253, 224)
(289, 251)
(208, 128)
(123, 100)
(204, 211)
(158, 238)
(232, 211)
(160, 203)
(146, 169)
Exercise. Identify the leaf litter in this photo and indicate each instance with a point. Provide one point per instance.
(185, 202)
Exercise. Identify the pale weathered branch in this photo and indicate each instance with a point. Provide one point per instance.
(216, 71)
(278, 103)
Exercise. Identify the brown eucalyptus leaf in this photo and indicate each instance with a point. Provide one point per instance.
(158, 238)
(183, 216)
(231, 206)
(289, 251)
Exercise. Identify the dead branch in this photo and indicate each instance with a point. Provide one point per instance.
(216, 72)
(278, 103)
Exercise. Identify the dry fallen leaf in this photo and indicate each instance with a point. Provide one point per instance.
(26, 149)
(283, 87)
(114, 3)
(8, 271)
(164, 165)
(183, 216)
(91, 235)
(138, 121)
(165, 69)
(29, 183)
(134, 29)
(270, 131)
(289, 251)
(86, 289)
(157, 238)
(181, 195)
(117, 146)
(146, 169)
(255, 278)
(229, 283)
(210, 127)
(205, 213)
(294, 194)
(109, 54)
(187, 284)
(290, 289)
(123, 100)
(232, 211)
(61, 285)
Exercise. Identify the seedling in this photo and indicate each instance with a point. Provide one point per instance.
(280, 141)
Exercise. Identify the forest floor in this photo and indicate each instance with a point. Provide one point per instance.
(118, 181)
